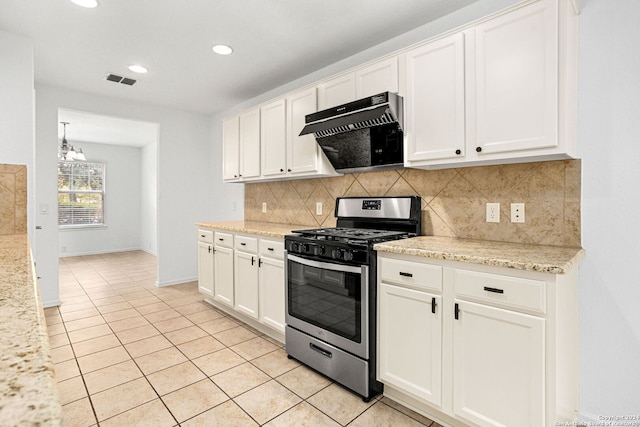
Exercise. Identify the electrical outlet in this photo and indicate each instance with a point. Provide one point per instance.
(493, 212)
(517, 212)
(318, 208)
(264, 207)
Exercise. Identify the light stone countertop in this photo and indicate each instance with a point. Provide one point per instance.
(28, 390)
(270, 229)
(545, 259)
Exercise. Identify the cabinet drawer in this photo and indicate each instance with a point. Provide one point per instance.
(504, 291)
(414, 274)
(271, 248)
(223, 239)
(246, 244)
(205, 236)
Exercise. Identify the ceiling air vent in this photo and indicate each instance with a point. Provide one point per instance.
(119, 79)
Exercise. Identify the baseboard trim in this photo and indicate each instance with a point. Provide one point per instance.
(177, 282)
(51, 303)
(110, 251)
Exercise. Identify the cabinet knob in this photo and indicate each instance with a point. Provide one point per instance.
(288, 170)
(240, 175)
(478, 149)
(235, 176)
(281, 170)
(202, 235)
(458, 152)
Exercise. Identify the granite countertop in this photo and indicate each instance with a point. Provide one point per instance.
(545, 259)
(270, 229)
(28, 390)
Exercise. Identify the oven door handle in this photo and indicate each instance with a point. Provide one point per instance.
(324, 265)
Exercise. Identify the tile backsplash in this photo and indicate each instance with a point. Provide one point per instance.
(13, 199)
(453, 200)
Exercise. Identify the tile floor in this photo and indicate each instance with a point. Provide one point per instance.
(129, 353)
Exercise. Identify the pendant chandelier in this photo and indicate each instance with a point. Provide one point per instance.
(66, 151)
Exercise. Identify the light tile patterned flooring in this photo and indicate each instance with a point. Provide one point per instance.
(128, 353)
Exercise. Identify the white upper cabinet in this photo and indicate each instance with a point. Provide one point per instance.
(336, 91)
(231, 148)
(273, 138)
(250, 144)
(516, 80)
(302, 151)
(435, 100)
(497, 92)
(264, 143)
(381, 76)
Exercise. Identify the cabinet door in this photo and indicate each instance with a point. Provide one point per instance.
(302, 151)
(250, 144)
(378, 77)
(246, 283)
(272, 297)
(337, 91)
(205, 268)
(498, 366)
(223, 274)
(435, 100)
(410, 341)
(516, 80)
(273, 138)
(231, 148)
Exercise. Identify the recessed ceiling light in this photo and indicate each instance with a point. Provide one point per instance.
(86, 3)
(138, 69)
(222, 49)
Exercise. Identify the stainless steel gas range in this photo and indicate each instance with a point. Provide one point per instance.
(331, 288)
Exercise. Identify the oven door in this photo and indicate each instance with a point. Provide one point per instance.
(329, 301)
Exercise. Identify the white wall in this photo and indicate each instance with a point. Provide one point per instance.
(16, 110)
(123, 207)
(149, 199)
(609, 129)
(183, 173)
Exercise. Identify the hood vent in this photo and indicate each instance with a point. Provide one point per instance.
(360, 136)
(382, 109)
(385, 119)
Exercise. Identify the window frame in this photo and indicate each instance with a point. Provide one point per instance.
(102, 192)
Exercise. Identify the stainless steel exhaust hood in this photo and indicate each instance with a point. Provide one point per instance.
(363, 135)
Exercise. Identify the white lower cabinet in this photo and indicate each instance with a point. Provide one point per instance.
(205, 262)
(498, 366)
(223, 273)
(272, 295)
(485, 347)
(246, 283)
(247, 278)
(410, 358)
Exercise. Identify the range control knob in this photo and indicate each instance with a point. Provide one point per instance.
(293, 247)
(304, 248)
(336, 254)
(347, 255)
(318, 250)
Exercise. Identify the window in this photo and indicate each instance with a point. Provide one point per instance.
(80, 194)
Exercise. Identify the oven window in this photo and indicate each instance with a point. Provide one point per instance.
(326, 298)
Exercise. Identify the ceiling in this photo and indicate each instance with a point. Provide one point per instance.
(274, 41)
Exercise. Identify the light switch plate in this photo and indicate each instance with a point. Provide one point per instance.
(318, 208)
(264, 207)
